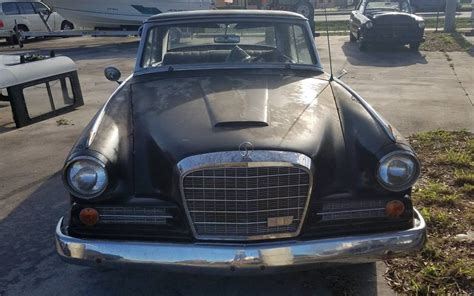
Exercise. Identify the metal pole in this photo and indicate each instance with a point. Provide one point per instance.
(450, 16)
(437, 19)
(472, 18)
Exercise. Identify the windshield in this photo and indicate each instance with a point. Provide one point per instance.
(390, 5)
(226, 43)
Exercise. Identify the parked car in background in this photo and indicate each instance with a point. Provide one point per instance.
(230, 150)
(303, 7)
(386, 22)
(29, 16)
(430, 5)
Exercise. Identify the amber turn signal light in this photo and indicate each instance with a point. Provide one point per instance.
(89, 216)
(394, 208)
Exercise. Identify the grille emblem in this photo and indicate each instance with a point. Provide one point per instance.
(280, 221)
(246, 150)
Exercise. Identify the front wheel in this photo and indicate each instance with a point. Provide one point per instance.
(305, 9)
(67, 26)
(415, 46)
(352, 38)
(361, 43)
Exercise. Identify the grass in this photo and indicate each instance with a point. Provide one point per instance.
(445, 42)
(445, 198)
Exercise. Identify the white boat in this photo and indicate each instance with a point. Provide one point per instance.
(120, 13)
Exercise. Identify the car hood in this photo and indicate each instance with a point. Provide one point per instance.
(395, 17)
(178, 117)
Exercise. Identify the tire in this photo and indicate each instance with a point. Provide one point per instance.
(352, 38)
(67, 26)
(361, 44)
(305, 9)
(415, 46)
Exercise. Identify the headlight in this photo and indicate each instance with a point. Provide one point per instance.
(369, 25)
(421, 25)
(86, 177)
(398, 171)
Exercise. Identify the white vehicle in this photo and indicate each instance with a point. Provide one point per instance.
(29, 16)
(121, 13)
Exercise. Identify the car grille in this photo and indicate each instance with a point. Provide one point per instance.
(237, 202)
(133, 215)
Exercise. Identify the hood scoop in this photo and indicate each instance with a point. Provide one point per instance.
(236, 103)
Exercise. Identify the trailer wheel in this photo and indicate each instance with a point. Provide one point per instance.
(67, 26)
(305, 9)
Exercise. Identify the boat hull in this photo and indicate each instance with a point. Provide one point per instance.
(120, 13)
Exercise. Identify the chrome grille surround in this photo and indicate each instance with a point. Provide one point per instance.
(247, 208)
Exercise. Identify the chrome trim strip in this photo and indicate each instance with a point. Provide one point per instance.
(242, 258)
(258, 158)
(248, 200)
(246, 189)
(352, 211)
(242, 212)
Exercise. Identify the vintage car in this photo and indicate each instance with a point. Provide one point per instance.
(231, 150)
(386, 22)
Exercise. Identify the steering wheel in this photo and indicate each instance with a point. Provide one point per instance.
(277, 55)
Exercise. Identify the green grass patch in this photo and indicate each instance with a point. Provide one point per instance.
(436, 193)
(444, 199)
(464, 177)
(456, 158)
(445, 42)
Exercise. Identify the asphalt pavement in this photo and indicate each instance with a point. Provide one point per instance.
(414, 91)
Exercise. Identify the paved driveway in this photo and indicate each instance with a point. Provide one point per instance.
(414, 91)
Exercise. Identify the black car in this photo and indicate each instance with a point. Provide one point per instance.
(231, 150)
(386, 22)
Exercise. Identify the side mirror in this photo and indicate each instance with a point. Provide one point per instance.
(112, 74)
(316, 34)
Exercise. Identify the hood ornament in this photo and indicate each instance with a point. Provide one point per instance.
(246, 150)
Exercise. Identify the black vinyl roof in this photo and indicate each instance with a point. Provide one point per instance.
(224, 13)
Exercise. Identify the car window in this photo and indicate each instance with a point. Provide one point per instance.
(40, 8)
(10, 8)
(26, 8)
(223, 43)
(391, 5)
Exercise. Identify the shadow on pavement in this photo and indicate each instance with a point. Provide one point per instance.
(30, 265)
(382, 56)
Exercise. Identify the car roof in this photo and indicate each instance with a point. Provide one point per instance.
(224, 13)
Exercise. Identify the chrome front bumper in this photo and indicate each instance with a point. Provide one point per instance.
(234, 258)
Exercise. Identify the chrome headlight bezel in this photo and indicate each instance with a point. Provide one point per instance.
(369, 25)
(78, 192)
(421, 25)
(400, 155)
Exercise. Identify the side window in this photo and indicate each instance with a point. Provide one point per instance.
(40, 8)
(153, 53)
(26, 8)
(10, 8)
(303, 55)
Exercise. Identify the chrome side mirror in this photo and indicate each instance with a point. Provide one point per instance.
(113, 74)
